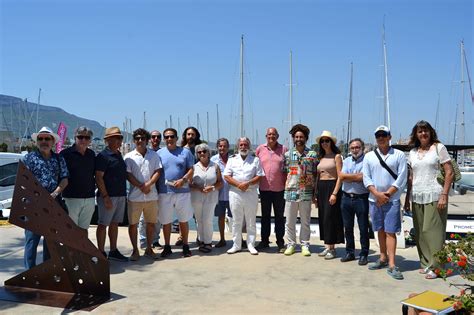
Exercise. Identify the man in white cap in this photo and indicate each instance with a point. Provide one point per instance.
(111, 179)
(51, 172)
(243, 173)
(385, 176)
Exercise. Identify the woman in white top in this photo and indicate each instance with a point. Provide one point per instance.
(429, 198)
(207, 180)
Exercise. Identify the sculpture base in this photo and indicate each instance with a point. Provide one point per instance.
(63, 300)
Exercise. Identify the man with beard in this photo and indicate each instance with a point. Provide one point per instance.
(190, 139)
(175, 195)
(301, 166)
(51, 172)
(243, 173)
(385, 176)
(272, 189)
(355, 202)
(222, 206)
(155, 141)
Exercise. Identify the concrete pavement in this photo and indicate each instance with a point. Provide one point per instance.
(239, 283)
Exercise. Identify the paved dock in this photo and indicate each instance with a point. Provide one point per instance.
(240, 283)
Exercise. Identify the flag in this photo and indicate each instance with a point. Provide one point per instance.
(62, 130)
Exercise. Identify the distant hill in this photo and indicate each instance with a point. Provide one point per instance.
(15, 114)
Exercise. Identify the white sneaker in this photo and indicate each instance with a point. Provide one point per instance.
(234, 249)
(324, 252)
(252, 249)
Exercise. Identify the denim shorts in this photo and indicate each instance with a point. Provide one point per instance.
(387, 217)
(221, 207)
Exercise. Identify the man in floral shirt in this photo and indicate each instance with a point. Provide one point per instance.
(300, 164)
(51, 172)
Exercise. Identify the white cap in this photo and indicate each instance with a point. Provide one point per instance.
(382, 128)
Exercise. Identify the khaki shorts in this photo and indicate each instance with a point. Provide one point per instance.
(149, 209)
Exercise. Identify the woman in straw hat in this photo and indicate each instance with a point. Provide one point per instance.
(329, 194)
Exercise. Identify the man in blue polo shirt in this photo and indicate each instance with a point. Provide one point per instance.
(111, 177)
(355, 202)
(79, 194)
(175, 195)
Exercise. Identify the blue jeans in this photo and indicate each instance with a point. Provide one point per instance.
(31, 247)
(356, 206)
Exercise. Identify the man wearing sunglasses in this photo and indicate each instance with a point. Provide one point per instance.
(79, 194)
(155, 141)
(385, 176)
(143, 171)
(51, 171)
(175, 194)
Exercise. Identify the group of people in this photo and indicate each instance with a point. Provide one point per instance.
(186, 181)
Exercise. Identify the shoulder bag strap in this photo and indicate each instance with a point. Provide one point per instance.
(385, 166)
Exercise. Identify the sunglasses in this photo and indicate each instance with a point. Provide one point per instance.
(140, 138)
(155, 137)
(170, 137)
(202, 152)
(354, 148)
(44, 139)
(325, 141)
(83, 137)
(381, 135)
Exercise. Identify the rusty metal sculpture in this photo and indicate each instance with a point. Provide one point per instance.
(77, 276)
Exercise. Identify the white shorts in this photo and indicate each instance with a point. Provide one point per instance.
(169, 203)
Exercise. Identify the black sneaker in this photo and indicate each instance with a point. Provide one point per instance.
(262, 245)
(166, 251)
(157, 245)
(348, 257)
(186, 251)
(116, 255)
(105, 254)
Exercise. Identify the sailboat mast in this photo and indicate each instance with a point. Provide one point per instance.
(241, 128)
(291, 89)
(218, 130)
(144, 120)
(437, 115)
(349, 118)
(386, 95)
(207, 126)
(37, 108)
(462, 130)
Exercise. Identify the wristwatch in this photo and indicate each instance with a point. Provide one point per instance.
(213, 188)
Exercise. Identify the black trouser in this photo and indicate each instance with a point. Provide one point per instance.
(267, 199)
(351, 206)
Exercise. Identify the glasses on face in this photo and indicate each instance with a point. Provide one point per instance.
(156, 137)
(140, 138)
(354, 148)
(202, 152)
(83, 137)
(170, 137)
(44, 139)
(381, 135)
(325, 141)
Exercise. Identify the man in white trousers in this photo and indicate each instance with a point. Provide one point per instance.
(243, 172)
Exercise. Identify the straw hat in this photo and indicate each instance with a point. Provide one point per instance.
(112, 132)
(47, 131)
(326, 134)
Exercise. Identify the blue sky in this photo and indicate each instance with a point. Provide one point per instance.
(107, 60)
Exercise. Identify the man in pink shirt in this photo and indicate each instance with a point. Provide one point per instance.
(272, 187)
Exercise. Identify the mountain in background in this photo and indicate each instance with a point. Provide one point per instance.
(19, 118)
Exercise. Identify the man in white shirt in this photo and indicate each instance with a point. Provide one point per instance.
(243, 172)
(143, 170)
(385, 176)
